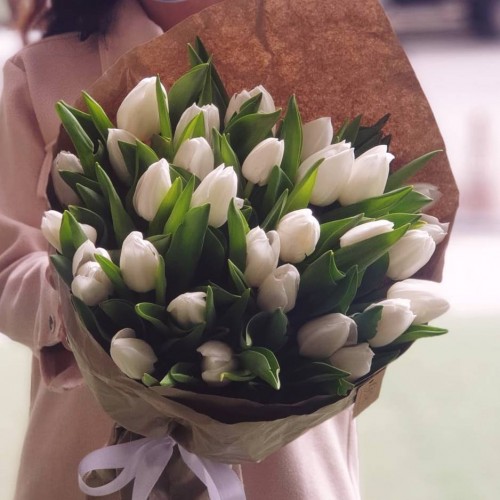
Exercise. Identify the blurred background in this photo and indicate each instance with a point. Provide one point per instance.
(433, 434)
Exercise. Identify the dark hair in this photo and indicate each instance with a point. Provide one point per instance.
(64, 16)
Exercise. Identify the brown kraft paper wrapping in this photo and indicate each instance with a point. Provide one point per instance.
(340, 59)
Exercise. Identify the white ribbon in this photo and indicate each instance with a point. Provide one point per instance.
(145, 459)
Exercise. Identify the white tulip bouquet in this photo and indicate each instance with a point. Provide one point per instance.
(223, 248)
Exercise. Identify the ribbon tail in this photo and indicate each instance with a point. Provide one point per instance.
(220, 479)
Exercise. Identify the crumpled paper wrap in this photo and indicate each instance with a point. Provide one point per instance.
(340, 59)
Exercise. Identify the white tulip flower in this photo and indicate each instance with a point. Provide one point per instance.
(189, 309)
(51, 227)
(356, 359)
(316, 135)
(91, 284)
(116, 159)
(237, 100)
(333, 173)
(409, 254)
(195, 156)
(133, 356)
(85, 253)
(321, 337)
(299, 233)
(263, 251)
(138, 113)
(218, 358)
(218, 189)
(139, 261)
(279, 289)
(65, 161)
(210, 115)
(368, 176)
(151, 189)
(438, 230)
(396, 317)
(260, 161)
(365, 231)
(426, 299)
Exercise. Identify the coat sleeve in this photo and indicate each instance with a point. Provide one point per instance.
(29, 302)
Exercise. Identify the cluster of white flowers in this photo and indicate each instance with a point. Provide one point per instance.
(272, 256)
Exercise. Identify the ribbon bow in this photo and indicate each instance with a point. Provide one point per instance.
(145, 459)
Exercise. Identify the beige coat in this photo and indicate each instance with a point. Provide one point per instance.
(65, 421)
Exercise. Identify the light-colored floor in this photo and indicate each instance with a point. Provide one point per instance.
(433, 434)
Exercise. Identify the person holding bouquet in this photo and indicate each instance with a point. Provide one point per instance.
(82, 39)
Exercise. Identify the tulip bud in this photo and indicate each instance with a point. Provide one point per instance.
(409, 254)
(396, 317)
(218, 188)
(368, 176)
(85, 253)
(68, 162)
(365, 231)
(151, 189)
(139, 261)
(91, 285)
(426, 300)
(429, 190)
(299, 232)
(279, 289)
(133, 356)
(189, 309)
(263, 251)
(237, 101)
(438, 230)
(195, 156)
(316, 135)
(210, 114)
(260, 161)
(138, 113)
(333, 172)
(218, 358)
(321, 337)
(51, 227)
(356, 359)
(116, 135)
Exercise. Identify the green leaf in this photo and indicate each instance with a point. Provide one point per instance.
(268, 329)
(240, 376)
(99, 117)
(157, 225)
(212, 263)
(86, 216)
(122, 223)
(184, 373)
(350, 132)
(129, 153)
(184, 253)
(90, 322)
(366, 252)
(412, 202)
(82, 142)
(210, 313)
(301, 193)
(163, 147)
(233, 318)
(160, 283)
(274, 215)
(401, 175)
(238, 229)
(180, 209)
(122, 313)
(402, 219)
(63, 266)
(315, 372)
(225, 154)
(291, 133)
(330, 234)
(167, 381)
(71, 235)
(263, 363)
(195, 128)
(237, 277)
(367, 323)
(249, 107)
(161, 242)
(154, 314)
(74, 178)
(248, 131)
(186, 90)
(416, 332)
(114, 274)
(92, 200)
(373, 208)
(161, 100)
(371, 136)
(277, 183)
(85, 120)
